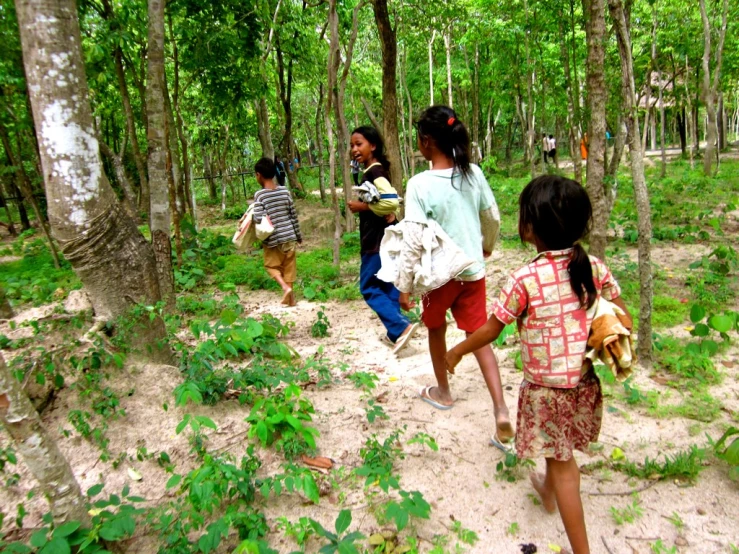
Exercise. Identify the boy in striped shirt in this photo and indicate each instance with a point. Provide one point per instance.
(276, 202)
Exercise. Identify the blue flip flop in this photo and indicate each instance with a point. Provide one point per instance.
(504, 447)
(423, 392)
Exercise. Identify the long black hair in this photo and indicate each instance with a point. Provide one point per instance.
(558, 212)
(441, 124)
(374, 137)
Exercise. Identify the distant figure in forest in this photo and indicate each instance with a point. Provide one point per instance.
(560, 405)
(584, 142)
(368, 151)
(280, 171)
(552, 148)
(545, 148)
(280, 247)
(455, 194)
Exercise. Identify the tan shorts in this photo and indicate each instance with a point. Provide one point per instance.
(279, 261)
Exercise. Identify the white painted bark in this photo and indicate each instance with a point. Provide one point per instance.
(39, 451)
(103, 245)
(448, 49)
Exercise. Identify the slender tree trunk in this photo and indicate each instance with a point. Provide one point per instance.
(265, 136)
(6, 312)
(530, 131)
(641, 194)
(408, 134)
(389, 48)
(285, 90)
(40, 452)
(710, 86)
(129, 196)
(596, 36)
(575, 131)
(448, 49)
(160, 222)
(431, 68)
(689, 121)
(23, 184)
(6, 207)
(370, 114)
(208, 171)
(173, 153)
(476, 101)
(103, 245)
(332, 70)
(319, 145)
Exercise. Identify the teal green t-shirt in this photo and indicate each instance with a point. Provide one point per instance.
(455, 203)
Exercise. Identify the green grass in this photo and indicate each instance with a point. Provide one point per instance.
(34, 279)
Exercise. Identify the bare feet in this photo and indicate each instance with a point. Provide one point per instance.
(293, 301)
(286, 297)
(538, 481)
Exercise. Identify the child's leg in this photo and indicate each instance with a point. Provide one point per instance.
(564, 479)
(381, 298)
(489, 367)
(437, 349)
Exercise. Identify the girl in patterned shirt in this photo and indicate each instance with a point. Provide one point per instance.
(552, 300)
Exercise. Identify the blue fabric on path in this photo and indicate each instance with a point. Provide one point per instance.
(381, 296)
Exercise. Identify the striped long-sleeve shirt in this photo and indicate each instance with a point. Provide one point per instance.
(278, 204)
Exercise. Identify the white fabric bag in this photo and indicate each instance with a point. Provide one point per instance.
(264, 228)
(245, 233)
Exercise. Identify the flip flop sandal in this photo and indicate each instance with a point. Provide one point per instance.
(423, 392)
(505, 447)
(403, 339)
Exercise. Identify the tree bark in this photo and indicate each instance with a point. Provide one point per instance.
(370, 114)
(104, 247)
(23, 184)
(641, 193)
(6, 312)
(265, 136)
(40, 452)
(332, 70)
(448, 50)
(431, 68)
(129, 196)
(319, 145)
(710, 86)
(596, 36)
(529, 122)
(285, 93)
(4, 205)
(389, 47)
(160, 216)
(575, 132)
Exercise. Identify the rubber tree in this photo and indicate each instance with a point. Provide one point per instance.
(39, 451)
(389, 47)
(710, 83)
(595, 13)
(641, 194)
(105, 248)
(159, 206)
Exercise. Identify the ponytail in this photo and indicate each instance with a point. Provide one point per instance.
(450, 135)
(581, 276)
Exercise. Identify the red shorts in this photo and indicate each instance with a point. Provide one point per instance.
(465, 298)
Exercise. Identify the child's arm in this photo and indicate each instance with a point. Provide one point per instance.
(388, 203)
(482, 337)
(490, 226)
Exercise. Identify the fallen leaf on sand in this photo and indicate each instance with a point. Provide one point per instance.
(318, 462)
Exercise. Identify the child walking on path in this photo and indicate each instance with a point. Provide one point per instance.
(367, 149)
(454, 194)
(551, 299)
(280, 247)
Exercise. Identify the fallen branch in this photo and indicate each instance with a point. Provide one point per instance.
(602, 538)
(625, 493)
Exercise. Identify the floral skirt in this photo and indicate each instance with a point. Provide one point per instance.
(553, 422)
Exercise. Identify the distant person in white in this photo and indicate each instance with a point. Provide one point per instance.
(545, 147)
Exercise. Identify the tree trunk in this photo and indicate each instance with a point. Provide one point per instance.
(173, 153)
(332, 70)
(285, 93)
(641, 193)
(208, 171)
(265, 136)
(370, 113)
(476, 102)
(129, 196)
(4, 205)
(575, 132)
(682, 130)
(448, 49)
(389, 48)
(104, 247)
(431, 68)
(23, 184)
(40, 452)
(530, 131)
(160, 216)
(596, 36)
(319, 145)
(6, 312)
(410, 147)
(710, 87)
(721, 122)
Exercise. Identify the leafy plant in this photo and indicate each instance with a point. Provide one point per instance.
(320, 326)
(511, 467)
(280, 419)
(379, 459)
(338, 541)
(412, 504)
(730, 453)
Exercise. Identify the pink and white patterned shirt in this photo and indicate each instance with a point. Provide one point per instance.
(553, 327)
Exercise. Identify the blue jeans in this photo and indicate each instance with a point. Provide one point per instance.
(382, 297)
